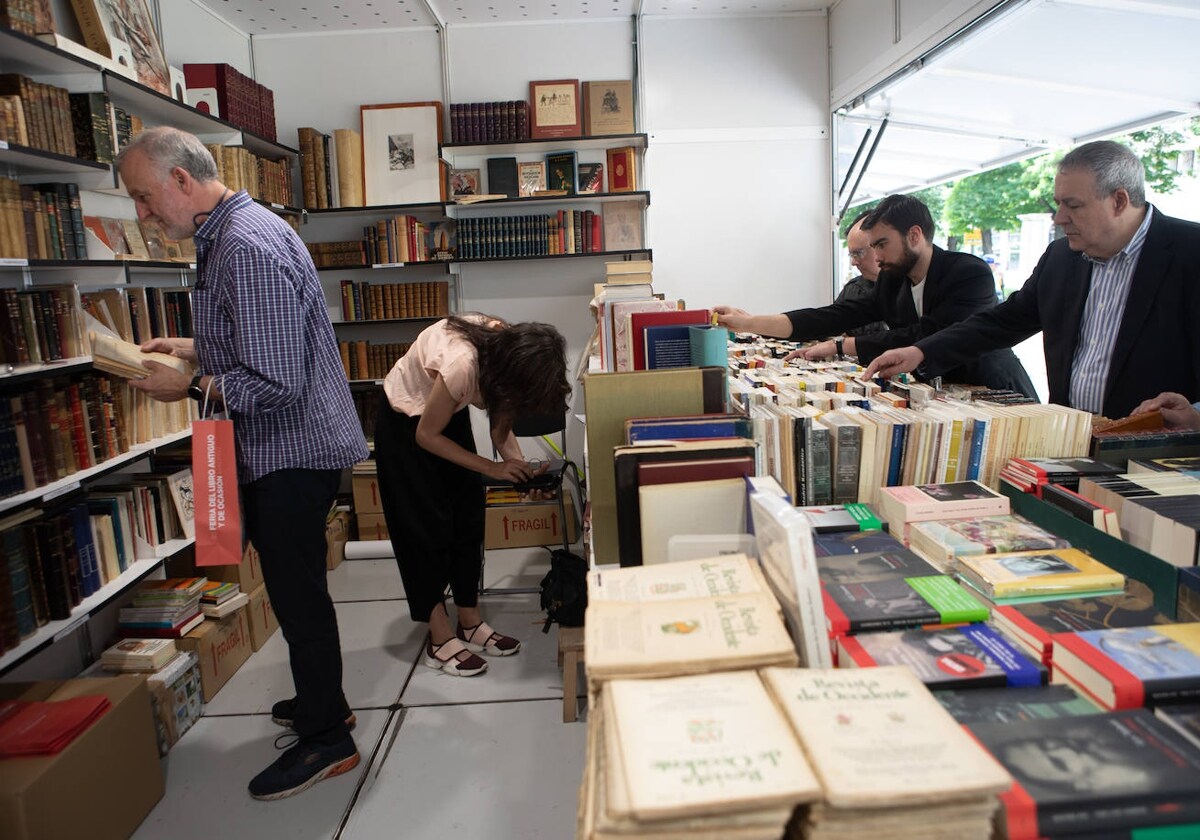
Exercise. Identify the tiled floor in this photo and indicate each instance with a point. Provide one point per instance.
(486, 757)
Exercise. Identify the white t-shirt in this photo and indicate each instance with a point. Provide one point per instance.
(918, 293)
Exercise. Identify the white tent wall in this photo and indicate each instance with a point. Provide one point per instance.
(870, 40)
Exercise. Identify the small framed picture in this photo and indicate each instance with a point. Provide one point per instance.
(554, 109)
(531, 177)
(464, 182)
(401, 161)
(591, 178)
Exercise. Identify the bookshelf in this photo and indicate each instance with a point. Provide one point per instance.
(32, 392)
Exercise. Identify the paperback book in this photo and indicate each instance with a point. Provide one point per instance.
(944, 541)
(1014, 704)
(1060, 572)
(898, 603)
(714, 577)
(1033, 625)
(1127, 667)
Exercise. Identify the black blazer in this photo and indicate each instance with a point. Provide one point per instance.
(957, 286)
(1157, 348)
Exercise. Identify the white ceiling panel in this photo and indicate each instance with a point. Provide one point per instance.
(1043, 75)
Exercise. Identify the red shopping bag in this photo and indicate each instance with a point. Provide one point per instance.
(218, 514)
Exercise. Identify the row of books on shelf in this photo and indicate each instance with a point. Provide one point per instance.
(52, 119)
(331, 168)
(366, 406)
(364, 360)
(223, 92)
(489, 122)
(534, 235)
(363, 301)
(47, 324)
(41, 221)
(55, 559)
(560, 173)
(403, 239)
(29, 17)
(263, 178)
(63, 425)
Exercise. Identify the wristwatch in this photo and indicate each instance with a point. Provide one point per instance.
(194, 390)
(839, 354)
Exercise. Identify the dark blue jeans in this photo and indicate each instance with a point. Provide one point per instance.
(285, 519)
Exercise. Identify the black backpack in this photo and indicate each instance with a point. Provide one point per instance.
(564, 590)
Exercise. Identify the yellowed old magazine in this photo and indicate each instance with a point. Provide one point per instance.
(877, 738)
(733, 574)
(710, 744)
(688, 636)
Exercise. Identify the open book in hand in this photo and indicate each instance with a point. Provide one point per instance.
(123, 358)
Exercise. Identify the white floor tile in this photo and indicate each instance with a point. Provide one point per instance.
(531, 674)
(207, 773)
(380, 643)
(502, 771)
(366, 580)
(515, 568)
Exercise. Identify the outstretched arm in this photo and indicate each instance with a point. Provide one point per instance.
(739, 320)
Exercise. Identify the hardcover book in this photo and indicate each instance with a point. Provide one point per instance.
(502, 177)
(706, 744)
(123, 358)
(561, 172)
(622, 170)
(1034, 625)
(1094, 775)
(945, 657)
(1060, 572)
(1013, 704)
(1127, 667)
(892, 604)
(944, 541)
(607, 108)
(531, 177)
(623, 226)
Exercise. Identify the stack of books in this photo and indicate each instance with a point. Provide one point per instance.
(163, 608)
(138, 655)
(220, 598)
(945, 542)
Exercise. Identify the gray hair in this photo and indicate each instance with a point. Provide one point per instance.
(166, 148)
(1114, 166)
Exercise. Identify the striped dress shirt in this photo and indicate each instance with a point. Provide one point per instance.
(1102, 314)
(262, 328)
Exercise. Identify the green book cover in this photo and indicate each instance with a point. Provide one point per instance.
(954, 603)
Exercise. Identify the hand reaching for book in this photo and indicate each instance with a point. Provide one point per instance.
(180, 348)
(894, 361)
(1177, 410)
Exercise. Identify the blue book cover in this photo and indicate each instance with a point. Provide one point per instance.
(1146, 652)
(85, 547)
(112, 508)
(651, 429)
(710, 345)
(668, 346)
(896, 461)
(978, 433)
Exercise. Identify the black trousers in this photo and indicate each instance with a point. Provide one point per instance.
(285, 519)
(434, 511)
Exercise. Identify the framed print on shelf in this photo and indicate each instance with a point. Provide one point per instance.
(401, 162)
(623, 226)
(607, 108)
(114, 28)
(531, 177)
(554, 109)
(464, 182)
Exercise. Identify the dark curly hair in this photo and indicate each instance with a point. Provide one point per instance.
(522, 367)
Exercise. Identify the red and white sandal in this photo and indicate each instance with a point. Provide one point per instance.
(452, 657)
(483, 639)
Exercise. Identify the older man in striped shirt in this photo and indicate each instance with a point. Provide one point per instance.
(266, 351)
(1117, 298)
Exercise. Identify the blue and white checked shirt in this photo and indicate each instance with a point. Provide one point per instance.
(1102, 313)
(261, 326)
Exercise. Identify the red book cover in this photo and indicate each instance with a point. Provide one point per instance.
(83, 454)
(835, 620)
(597, 237)
(1017, 618)
(640, 320)
(46, 727)
(709, 469)
(855, 650)
(207, 88)
(1128, 691)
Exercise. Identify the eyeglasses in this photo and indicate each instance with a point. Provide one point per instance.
(858, 253)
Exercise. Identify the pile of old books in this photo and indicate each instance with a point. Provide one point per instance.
(219, 598)
(812, 753)
(163, 608)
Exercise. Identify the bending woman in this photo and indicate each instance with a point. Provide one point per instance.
(429, 471)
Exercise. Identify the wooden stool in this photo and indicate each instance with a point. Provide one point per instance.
(570, 656)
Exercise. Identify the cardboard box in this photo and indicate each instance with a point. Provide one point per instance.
(222, 645)
(337, 532)
(103, 784)
(536, 523)
(247, 574)
(261, 618)
(366, 493)
(372, 526)
(175, 693)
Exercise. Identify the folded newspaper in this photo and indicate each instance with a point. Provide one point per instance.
(124, 358)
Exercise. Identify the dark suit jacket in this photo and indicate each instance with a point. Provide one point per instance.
(1157, 348)
(957, 286)
(861, 287)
